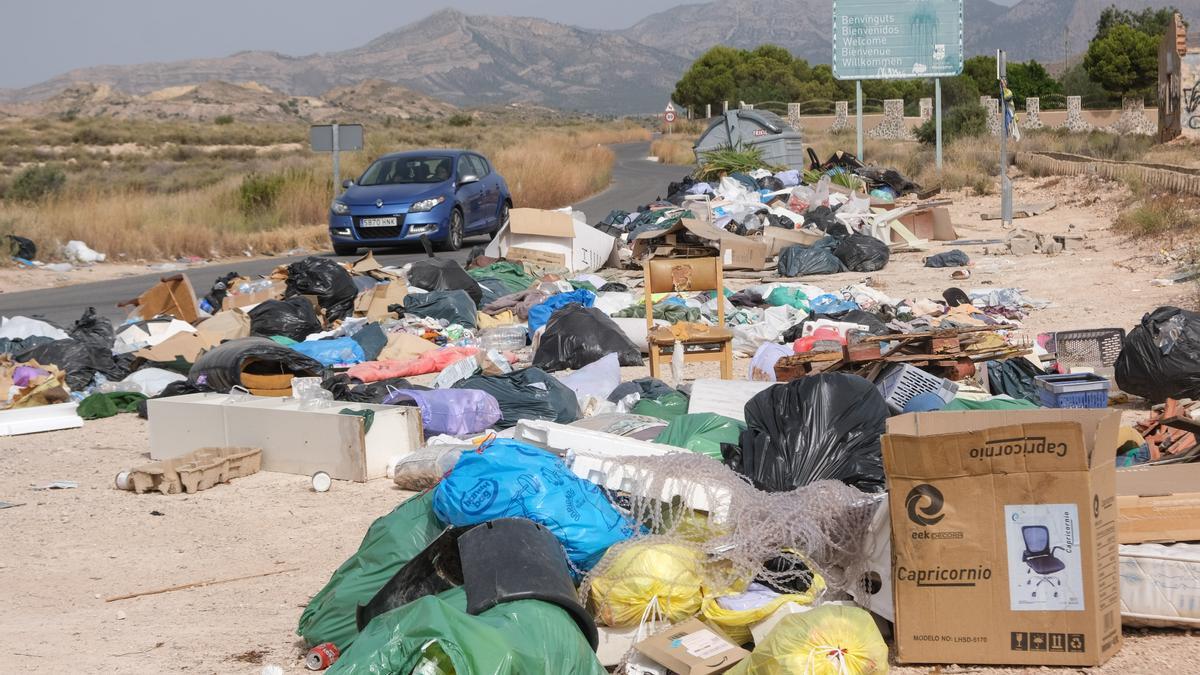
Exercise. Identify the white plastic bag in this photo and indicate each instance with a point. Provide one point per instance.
(78, 252)
(596, 379)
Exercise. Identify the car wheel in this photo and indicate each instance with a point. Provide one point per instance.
(503, 220)
(343, 249)
(454, 238)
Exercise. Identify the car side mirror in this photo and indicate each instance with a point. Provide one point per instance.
(468, 179)
(348, 183)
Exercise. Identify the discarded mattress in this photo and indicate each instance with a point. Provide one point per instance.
(1160, 585)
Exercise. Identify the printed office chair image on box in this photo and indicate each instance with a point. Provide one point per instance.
(1039, 558)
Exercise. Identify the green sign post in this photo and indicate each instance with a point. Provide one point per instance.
(898, 39)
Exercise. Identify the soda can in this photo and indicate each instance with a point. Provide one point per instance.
(322, 656)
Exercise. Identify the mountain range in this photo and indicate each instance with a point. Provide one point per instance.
(472, 60)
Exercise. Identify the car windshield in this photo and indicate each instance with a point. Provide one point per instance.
(401, 170)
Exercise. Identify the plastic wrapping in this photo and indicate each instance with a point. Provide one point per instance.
(293, 318)
(599, 378)
(801, 260)
(828, 640)
(736, 623)
(429, 362)
(335, 352)
(220, 368)
(441, 274)
(530, 394)
(509, 479)
(76, 359)
(389, 544)
(540, 314)
(821, 427)
(862, 253)
(666, 407)
(329, 281)
(1161, 356)
(450, 411)
(94, 331)
(576, 336)
(451, 306)
(1015, 378)
(762, 366)
(422, 469)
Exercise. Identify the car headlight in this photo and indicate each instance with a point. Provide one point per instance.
(426, 205)
(339, 208)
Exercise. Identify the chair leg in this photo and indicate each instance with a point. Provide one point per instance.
(727, 362)
(653, 361)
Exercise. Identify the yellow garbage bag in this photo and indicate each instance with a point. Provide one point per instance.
(829, 640)
(639, 573)
(736, 624)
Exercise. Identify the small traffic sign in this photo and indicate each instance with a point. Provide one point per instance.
(670, 108)
(670, 116)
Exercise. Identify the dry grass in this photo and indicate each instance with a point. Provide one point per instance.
(1156, 215)
(152, 207)
(674, 150)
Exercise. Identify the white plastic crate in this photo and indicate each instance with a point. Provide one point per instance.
(901, 382)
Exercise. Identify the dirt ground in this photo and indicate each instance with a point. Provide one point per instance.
(69, 550)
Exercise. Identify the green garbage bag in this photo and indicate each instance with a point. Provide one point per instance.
(788, 296)
(391, 542)
(666, 407)
(512, 638)
(994, 403)
(512, 275)
(702, 433)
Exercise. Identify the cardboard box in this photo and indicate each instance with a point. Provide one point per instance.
(736, 252)
(373, 303)
(171, 296)
(929, 224)
(1158, 504)
(692, 648)
(1004, 536)
(777, 239)
(552, 238)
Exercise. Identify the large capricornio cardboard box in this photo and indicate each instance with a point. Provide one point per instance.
(1004, 534)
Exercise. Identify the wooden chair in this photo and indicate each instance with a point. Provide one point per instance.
(670, 275)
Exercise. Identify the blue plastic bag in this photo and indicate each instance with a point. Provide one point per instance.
(831, 304)
(343, 350)
(509, 479)
(540, 314)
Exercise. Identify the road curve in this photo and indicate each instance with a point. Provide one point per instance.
(635, 182)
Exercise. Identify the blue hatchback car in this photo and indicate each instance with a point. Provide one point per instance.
(445, 194)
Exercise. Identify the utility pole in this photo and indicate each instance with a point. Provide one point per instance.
(1005, 183)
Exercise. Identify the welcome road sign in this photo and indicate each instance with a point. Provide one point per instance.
(897, 39)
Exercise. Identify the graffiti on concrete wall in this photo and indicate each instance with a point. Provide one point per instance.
(1191, 106)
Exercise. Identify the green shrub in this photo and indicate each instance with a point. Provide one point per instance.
(258, 192)
(460, 120)
(36, 183)
(223, 119)
(960, 122)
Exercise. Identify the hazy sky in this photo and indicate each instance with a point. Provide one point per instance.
(41, 39)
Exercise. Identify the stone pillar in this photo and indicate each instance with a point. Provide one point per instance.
(1133, 119)
(1033, 108)
(992, 106)
(707, 110)
(793, 116)
(892, 127)
(926, 109)
(841, 116)
(1075, 121)
(724, 107)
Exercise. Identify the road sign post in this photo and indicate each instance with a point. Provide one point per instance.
(669, 116)
(897, 39)
(335, 138)
(1006, 207)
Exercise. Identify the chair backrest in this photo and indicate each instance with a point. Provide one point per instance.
(670, 275)
(1037, 538)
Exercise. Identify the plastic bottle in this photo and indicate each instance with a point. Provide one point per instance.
(434, 661)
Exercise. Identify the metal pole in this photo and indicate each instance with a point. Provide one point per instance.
(337, 164)
(1005, 183)
(937, 114)
(858, 94)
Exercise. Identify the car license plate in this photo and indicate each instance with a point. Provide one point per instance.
(378, 222)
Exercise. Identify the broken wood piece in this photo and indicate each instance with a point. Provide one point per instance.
(198, 584)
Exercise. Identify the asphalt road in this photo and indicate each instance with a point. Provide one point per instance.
(635, 182)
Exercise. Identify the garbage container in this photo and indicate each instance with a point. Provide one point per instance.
(780, 144)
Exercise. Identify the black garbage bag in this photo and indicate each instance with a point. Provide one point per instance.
(453, 306)
(801, 260)
(21, 247)
(646, 387)
(327, 280)
(864, 318)
(821, 427)
(176, 388)
(824, 219)
(529, 394)
(220, 368)
(1015, 378)
(441, 274)
(94, 331)
(345, 388)
(18, 345)
(492, 289)
(1161, 356)
(770, 183)
(220, 289)
(614, 287)
(293, 318)
(576, 336)
(75, 358)
(780, 221)
(863, 253)
(878, 177)
(955, 258)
